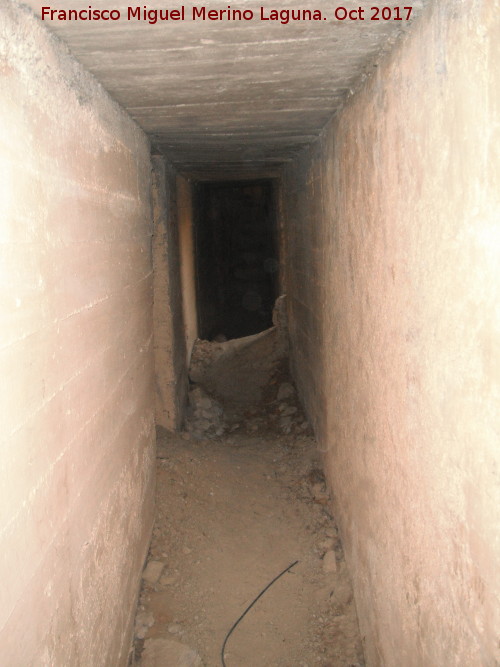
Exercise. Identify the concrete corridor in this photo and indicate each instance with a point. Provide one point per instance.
(365, 139)
(232, 512)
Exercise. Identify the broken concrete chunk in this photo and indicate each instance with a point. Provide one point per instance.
(168, 578)
(143, 621)
(205, 402)
(320, 493)
(327, 545)
(205, 416)
(329, 562)
(342, 592)
(175, 629)
(159, 652)
(153, 571)
(237, 371)
(286, 390)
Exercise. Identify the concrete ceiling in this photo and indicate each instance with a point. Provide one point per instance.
(225, 94)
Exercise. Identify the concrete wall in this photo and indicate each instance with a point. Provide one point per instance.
(169, 332)
(394, 276)
(76, 358)
(187, 268)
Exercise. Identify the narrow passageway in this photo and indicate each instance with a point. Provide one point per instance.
(232, 512)
(166, 174)
(236, 255)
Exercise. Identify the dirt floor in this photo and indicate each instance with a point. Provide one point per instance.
(240, 497)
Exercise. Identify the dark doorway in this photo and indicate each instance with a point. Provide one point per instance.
(236, 257)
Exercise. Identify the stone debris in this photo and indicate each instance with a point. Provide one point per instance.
(286, 390)
(205, 417)
(319, 493)
(231, 381)
(175, 629)
(153, 571)
(342, 591)
(160, 652)
(208, 419)
(286, 425)
(143, 621)
(168, 579)
(238, 370)
(327, 545)
(330, 562)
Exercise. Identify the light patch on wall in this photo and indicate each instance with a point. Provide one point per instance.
(6, 192)
(488, 239)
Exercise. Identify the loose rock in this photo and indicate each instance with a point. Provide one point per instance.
(168, 579)
(175, 629)
(159, 652)
(205, 417)
(286, 390)
(329, 562)
(153, 571)
(143, 621)
(319, 493)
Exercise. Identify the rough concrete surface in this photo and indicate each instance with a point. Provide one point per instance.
(169, 332)
(393, 287)
(187, 260)
(76, 358)
(234, 93)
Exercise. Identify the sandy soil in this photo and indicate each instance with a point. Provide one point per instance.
(232, 513)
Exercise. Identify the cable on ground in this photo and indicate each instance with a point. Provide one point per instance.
(233, 627)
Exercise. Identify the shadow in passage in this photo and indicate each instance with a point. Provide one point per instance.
(236, 257)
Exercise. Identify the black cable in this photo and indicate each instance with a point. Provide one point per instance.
(249, 607)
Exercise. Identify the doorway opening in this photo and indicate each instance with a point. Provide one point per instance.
(236, 257)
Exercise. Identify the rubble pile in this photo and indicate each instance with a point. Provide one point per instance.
(245, 467)
(280, 413)
(205, 417)
(238, 371)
